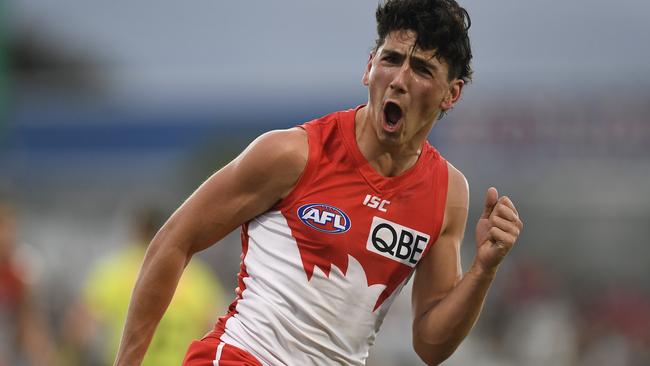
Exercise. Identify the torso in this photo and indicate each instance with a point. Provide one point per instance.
(321, 268)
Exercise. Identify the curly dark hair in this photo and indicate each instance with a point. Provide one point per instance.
(440, 25)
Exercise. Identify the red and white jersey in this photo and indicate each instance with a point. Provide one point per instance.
(321, 268)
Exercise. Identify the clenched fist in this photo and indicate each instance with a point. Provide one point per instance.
(497, 230)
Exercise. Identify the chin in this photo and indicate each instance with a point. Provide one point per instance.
(390, 139)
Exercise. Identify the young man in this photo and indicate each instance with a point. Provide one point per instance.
(338, 214)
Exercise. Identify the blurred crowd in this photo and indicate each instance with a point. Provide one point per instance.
(87, 329)
(25, 335)
(531, 317)
(534, 318)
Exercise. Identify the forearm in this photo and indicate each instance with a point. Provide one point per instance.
(153, 291)
(441, 328)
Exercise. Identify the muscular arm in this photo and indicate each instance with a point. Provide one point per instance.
(446, 304)
(252, 183)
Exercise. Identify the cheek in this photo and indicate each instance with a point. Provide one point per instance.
(379, 76)
(429, 94)
(377, 82)
(426, 98)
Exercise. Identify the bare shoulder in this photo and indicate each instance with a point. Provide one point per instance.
(278, 157)
(287, 145)
(458, 189)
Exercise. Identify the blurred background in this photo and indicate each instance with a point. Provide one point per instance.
(112, 113)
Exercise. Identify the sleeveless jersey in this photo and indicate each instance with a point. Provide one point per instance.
(321, 268)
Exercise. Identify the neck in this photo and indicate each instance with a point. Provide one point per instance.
(388, 159)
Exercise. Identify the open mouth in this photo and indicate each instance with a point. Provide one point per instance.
(392, 116)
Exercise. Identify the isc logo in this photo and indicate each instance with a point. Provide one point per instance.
(396, 242)
(325, 218)
(376, 202)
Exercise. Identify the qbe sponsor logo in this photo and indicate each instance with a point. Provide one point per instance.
(397, 242)
(324, 218)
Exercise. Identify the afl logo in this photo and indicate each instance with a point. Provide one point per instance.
(324, 218)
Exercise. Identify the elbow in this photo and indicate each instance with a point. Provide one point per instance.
(434, 351)
(433, 355)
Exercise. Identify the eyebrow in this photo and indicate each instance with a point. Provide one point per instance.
(422, 62)
(386, 52)
(414, 59)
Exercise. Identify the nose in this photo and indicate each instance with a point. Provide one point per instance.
(400, 81)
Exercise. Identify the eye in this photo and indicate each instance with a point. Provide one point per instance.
(390, 58)
(422, 69)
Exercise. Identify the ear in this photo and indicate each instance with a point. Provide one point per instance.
(366, 73)
(453, 94)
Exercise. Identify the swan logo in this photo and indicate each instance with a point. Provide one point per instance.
(324, 218)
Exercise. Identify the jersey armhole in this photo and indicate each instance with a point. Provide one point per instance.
(312, 158)
(441, 179)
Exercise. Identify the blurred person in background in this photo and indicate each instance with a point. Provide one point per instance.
(94, 324)
(24, 333)
(614, 330)
(337, 214)
(538, 319)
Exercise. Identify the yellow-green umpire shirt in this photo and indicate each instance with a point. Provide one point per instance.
(197, 302)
